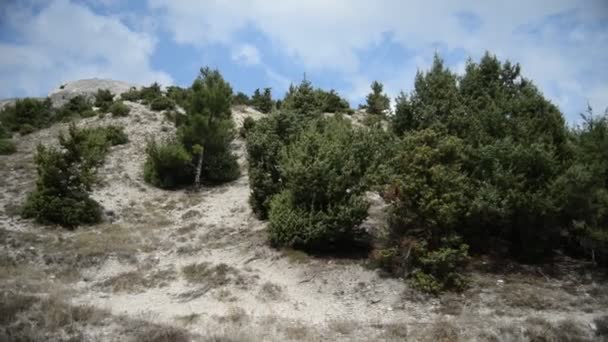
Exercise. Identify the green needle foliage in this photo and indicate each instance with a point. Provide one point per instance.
(207, 124)
(66, 175)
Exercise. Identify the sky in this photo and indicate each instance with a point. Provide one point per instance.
(561, 45)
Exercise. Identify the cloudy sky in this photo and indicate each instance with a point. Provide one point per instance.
(341, 44)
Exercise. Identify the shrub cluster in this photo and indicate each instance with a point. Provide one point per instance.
(118, 108)
(66, 174)
(487, 164)
(241, 98)
(7, 146)
(478, 163)
(162, 103)
(201, 150)
(321, 205)
(262, 102)
(305, 99)
(307, 176)
(154, 96)
(104, 99)
(27, 115)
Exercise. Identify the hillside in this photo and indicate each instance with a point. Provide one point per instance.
(196, 265)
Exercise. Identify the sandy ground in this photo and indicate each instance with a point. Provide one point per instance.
(255, 292)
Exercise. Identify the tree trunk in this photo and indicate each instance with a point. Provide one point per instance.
(199, 167)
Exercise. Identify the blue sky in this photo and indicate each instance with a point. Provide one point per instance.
(341, 44)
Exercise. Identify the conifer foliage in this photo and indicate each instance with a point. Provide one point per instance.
(201, 150)
(66, 175)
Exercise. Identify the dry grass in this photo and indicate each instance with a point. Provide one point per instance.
(32, 318)
(235, 315)
(271, 292)
(186, 229)
(188, 319)
(161, 333)
(297, 332)
(191, 214)
(451, 304)
(135, 281)
(539, 329)
(442, 331)
(341, 326)
(224, 295)
(212, 276)
(95, 245)
(395, 331)
(527, 296)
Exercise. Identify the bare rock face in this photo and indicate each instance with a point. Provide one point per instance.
(88, 88)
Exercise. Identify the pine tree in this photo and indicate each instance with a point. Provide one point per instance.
(208, 130)
(377, 102)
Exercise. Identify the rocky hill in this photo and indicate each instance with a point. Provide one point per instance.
(183, 265)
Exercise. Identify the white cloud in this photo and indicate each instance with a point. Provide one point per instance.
(329, 35)
(246, 54)
(66, 41)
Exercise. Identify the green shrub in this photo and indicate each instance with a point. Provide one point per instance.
(220, 167)
(248, 125)
(168, 165)
(119, 109)
(26, 129)
(241, 99)
(264, 143)
(103, 99)
(329, 230)
(4, 133)
(331, 102)
(262, 102)
(78, 104)
(322, 204)
(132, 95)
(162, 103)
(88, 113)
(114, 135)
(7, 146)
(65, 177)
(148, 94)
(440, 269)
(431, 195)
(32, 112)
(179, 95)
(302, 100)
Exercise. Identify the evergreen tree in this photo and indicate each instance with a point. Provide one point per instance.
(435, 101)
(262, 102)
(377, 102)
(208, 129)
(301, 99)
